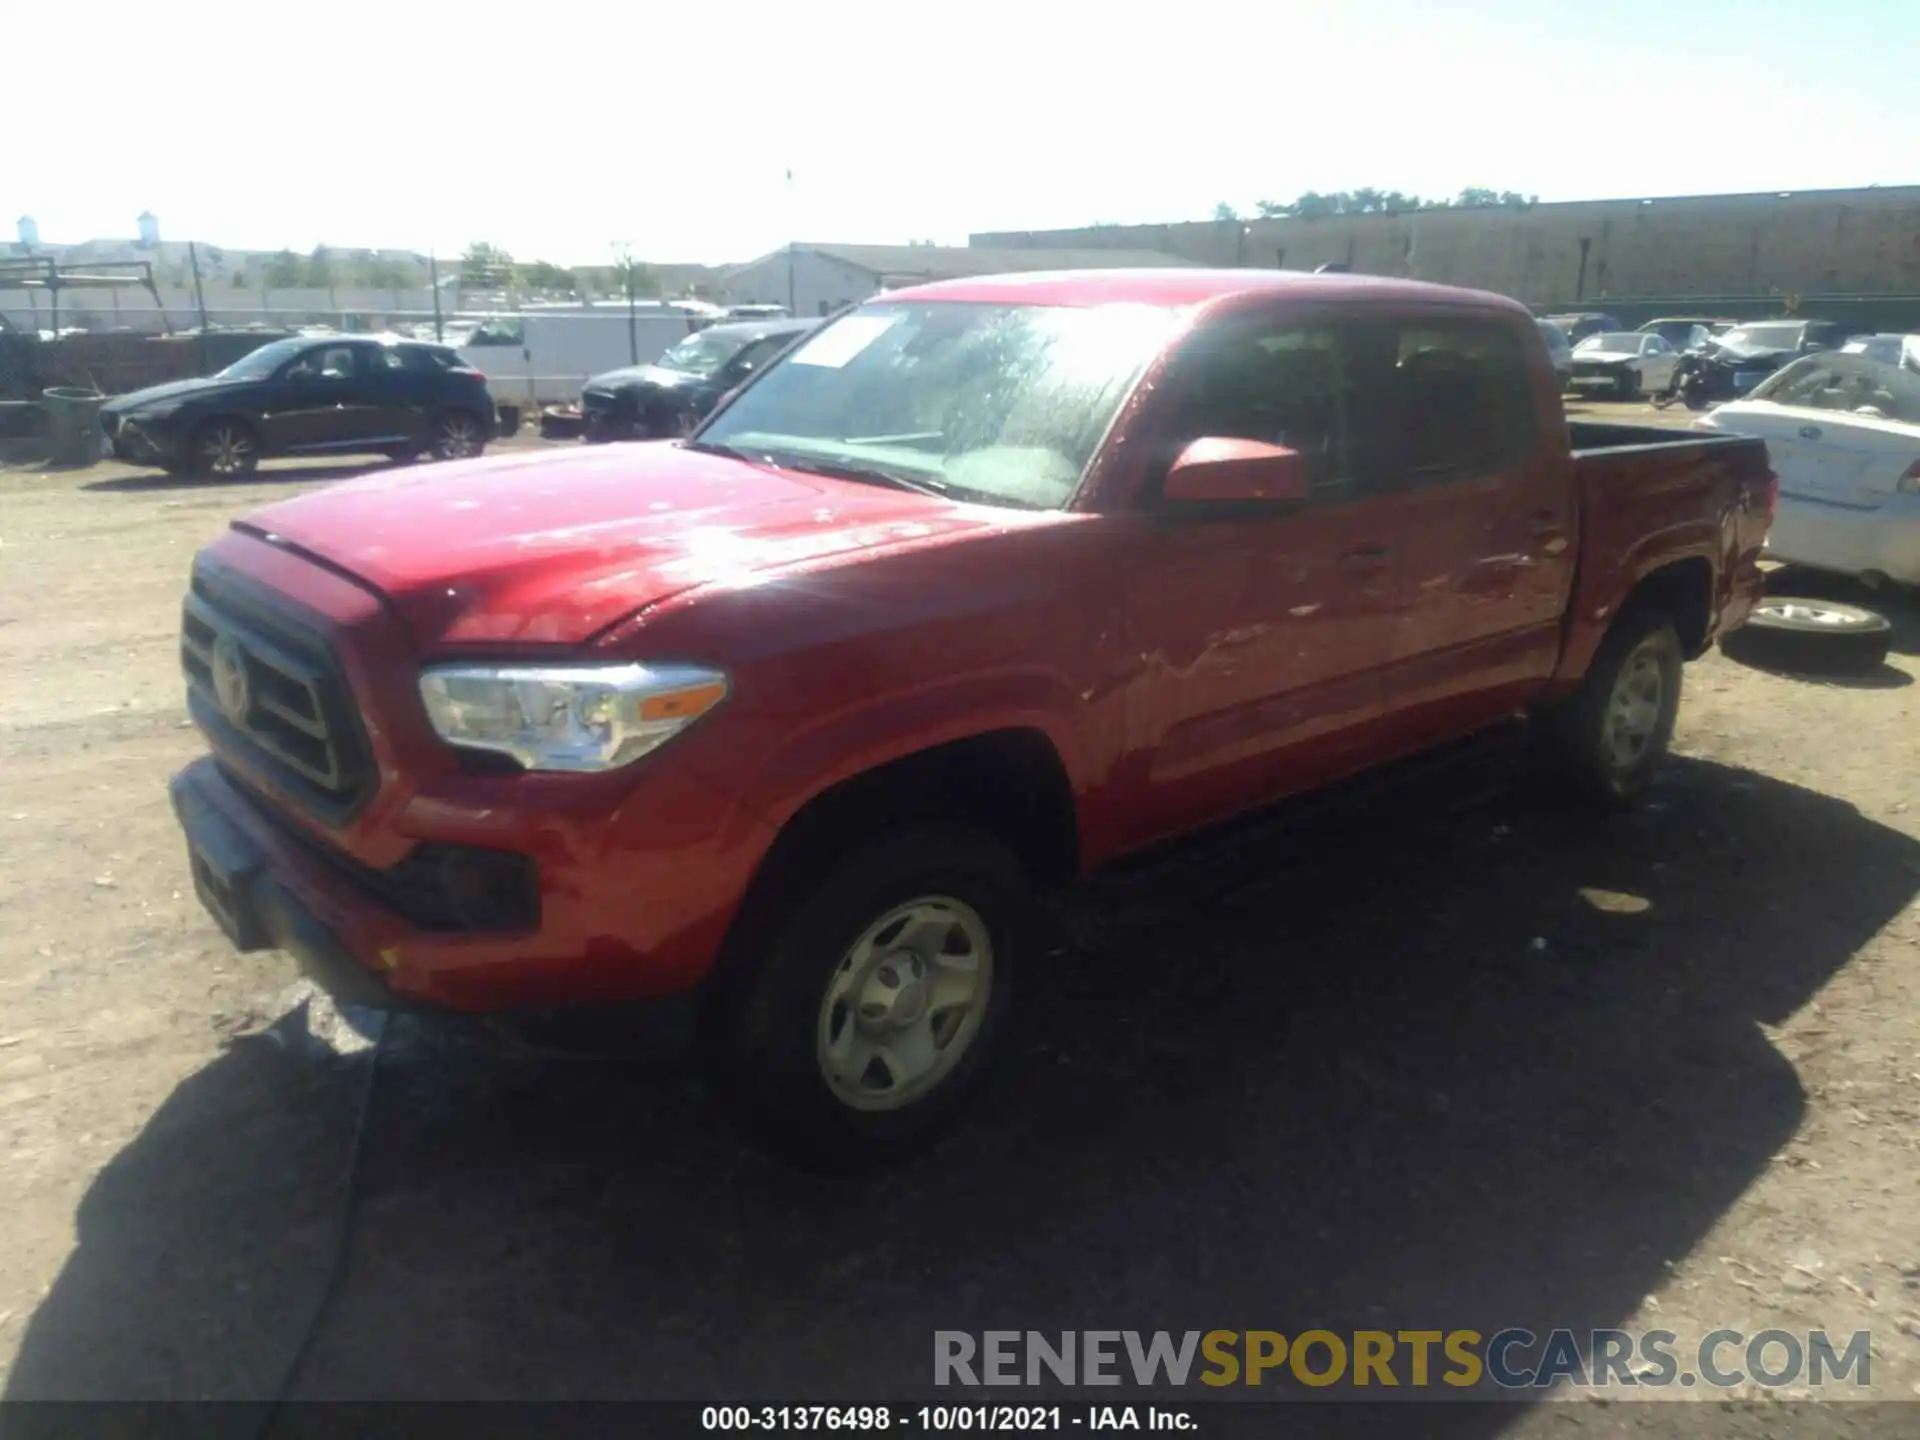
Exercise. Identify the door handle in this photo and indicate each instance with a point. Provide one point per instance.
(1363, 557)
(1810, 432)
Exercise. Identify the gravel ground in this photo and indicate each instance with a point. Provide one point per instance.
(1437, 1058)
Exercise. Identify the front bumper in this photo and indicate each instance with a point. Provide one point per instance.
(233, 868)
(138, 444)
(614, 923)
(1612, 376)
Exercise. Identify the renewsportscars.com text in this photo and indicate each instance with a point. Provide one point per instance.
(1510, 1359)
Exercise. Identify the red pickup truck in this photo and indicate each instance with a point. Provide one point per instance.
(983, 585)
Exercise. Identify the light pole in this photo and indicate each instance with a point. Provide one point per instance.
(623, 249)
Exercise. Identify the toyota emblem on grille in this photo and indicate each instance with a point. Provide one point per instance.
(230, 686)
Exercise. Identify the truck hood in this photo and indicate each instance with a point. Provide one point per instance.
(552, 549)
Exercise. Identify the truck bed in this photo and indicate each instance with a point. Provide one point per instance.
(1588, 437)
(1650, 497)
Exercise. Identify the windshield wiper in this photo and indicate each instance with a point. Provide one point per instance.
(714, 447)
(863, 474)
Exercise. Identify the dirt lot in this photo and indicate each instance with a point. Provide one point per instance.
(1409, 1064)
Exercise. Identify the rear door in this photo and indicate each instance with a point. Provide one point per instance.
(1483, 516)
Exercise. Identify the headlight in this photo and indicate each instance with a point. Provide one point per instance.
(578, 718)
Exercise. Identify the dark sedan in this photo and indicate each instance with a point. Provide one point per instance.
(332, 395)
(674, 393)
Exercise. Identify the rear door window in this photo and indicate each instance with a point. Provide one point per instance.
(1437, 401)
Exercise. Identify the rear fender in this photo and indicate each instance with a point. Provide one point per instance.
(1599, 597)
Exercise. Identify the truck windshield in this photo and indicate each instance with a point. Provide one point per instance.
(1001, 404)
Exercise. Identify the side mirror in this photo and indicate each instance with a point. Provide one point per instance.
(1218, 469)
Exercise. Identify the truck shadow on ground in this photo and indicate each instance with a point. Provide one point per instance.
(1399, 1065)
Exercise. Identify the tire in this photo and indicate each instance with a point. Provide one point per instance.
(223, 447)
(836, 1049)
(1818, 637)
(1628, 387)
(458, 435)
(1608, 739)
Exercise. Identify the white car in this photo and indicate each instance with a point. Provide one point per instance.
(1627, 362)
(1843, 433)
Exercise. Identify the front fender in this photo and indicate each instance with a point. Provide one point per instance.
(808, 760)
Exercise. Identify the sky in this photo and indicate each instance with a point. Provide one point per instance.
(673, 128)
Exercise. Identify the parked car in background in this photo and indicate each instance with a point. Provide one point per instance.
(1576, 326)
(757, 311)
(1685, 332)
(675, 392)
(336, 395)
(1844, 434)
(1754, 349)
(534, 358)
(1887, 349)
(1559, 351)
(977, 589)
(1626, 362)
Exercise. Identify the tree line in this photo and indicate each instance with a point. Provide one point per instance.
(1313, 205)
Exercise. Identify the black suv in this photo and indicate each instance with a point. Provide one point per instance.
(308, 395)
(675, 392)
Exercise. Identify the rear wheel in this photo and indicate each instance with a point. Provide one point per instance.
(1610, 736)
(223, 447)
(457, 435)
(878, 1002)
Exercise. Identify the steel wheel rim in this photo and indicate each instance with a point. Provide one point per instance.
(905, 1003)
(226, 450)
(1633, 709)
(458, 437)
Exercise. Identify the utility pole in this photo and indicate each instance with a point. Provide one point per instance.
(433, 280)
(199, 301)
(792, 246)
(623, 249)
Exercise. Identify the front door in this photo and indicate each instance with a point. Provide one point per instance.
(1263, 630)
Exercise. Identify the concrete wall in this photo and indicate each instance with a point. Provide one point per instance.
(1834, 242)
(820, 285)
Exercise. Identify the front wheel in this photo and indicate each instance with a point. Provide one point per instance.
(223, 447)
(457, 436)
(879, 1002)
(1610, 736)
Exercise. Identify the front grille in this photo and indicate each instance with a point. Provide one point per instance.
(268, 687)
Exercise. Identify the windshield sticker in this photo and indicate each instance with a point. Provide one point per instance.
(837, 344)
